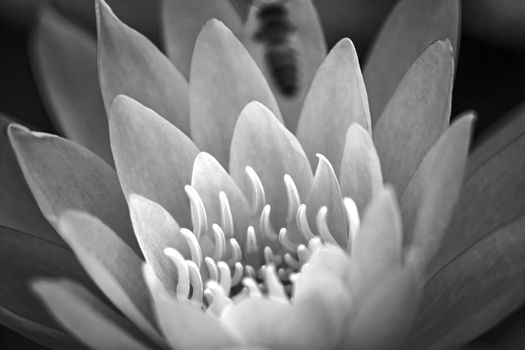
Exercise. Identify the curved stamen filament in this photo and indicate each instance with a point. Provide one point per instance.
(198, 212)
(291, 261)
(195, 281)
(322, 226)
(265, 225)
(273, 284)
(217, 298)
(225, 278)
(251, 241)
(238, 271)
(236, 252)
(226, 215)
(251, 285)
(303, 254)
(258, 197)
(220, 242)
(302, 223)
(285, 240)
(294, 200)
(183, 278)
(213, 270)
(193, 244)
(352, 217)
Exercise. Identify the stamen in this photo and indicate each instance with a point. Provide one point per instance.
(183, 278)
(226, 215)
(251, 285)
(291, 261)
(273, 284)
(314, 245)
(259, 197)
(251, 241)
(237, 274)
(285, 240)
(220, 242)
(195, 281)
(193, 244)
(225, 278)
(354, 222)
(198, 212)
(236, 252)
(213, 270)
(265, 224)
(217, 298)
(294, 200)
(322, 226)
(302, 223)
(303, 254)
(268, 255)
(250, 271)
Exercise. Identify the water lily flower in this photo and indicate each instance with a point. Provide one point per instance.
(214, 210)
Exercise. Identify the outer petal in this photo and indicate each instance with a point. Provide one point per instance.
(360, 178)
(336, 99)
(309, 44)
(49, 337)
(65, 60)
(23, 257)
(130, 64)
(491, 197)
(263, 143)
(325, 191)
(438, 192)
(473, 291)
(18, 208)
(86, 317)
(220, 60)
(112, 265)
(182, 20)
(417, 114)
(207, 168)
(153, 157)
(62, 176)
(411, 27)
(156, 230)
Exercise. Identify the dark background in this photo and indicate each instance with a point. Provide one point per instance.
(490, 76)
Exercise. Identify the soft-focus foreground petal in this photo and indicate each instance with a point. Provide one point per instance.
(130, 64)
(65, 61)
(417, 114)
(49, 337)
(336, 99)
(112, 265)
(187, 327)
(308, 43)
(491, 196)
(325, 191)
(182, 20)
(156, 230)
(153, 158)
(263, 143)
(205, 168)
(86, 317)
(360, 177)
(63, 175)
(24, 256)
(312, 321)
(473, 291)
(386, 314)
(411, 27)
(18, 208)
(223, 80)
(434, 191)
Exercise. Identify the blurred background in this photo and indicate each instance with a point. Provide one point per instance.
(490, 75)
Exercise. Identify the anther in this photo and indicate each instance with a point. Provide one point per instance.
(225, 277)
(220, 242)
(226, 215)
(198, 212)
(193, 244)
(314, 245)
(258, 198)
(213, 270)
(195, 281)
(251, 241)
(302, 223)
(265, 224)
(238, 271)
(250, 271)
(303, 254)
(291, 261)
(322, 226)
(352, 216)
(294, 200)
(273, 284)
(251, 285)
(183, 278)
(268, 256)
(285, 240)
(236, 252)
